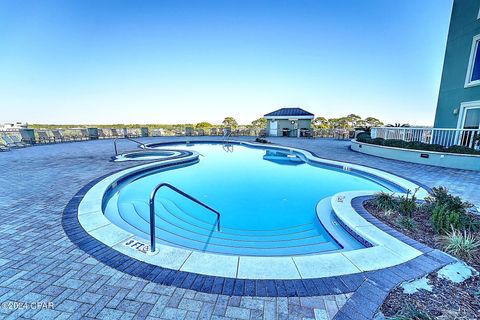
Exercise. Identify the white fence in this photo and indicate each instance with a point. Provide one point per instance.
(445, 137)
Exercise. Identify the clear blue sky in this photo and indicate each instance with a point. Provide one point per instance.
(129, 61)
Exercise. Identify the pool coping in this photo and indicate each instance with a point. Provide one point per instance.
(372, 286)
(177, 154)
(91, 218)
(386, 250)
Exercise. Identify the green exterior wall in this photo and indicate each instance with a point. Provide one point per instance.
(285, 123)
(464, 25)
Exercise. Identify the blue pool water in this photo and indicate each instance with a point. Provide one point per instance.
(266, 197)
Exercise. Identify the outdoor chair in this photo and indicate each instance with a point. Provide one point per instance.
(189, 131)
(132, 133)
(116, 134)
(58, 136)
(3, 147)
(10, 143)
(17, 140)
(341, 134)
(101, 134)
(306, 133)
(84, 134)
(107, 133)
(70, 134)
(43, 137)
(200, 132)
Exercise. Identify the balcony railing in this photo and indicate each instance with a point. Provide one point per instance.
(445, 137)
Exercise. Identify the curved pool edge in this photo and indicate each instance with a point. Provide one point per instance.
(92, 220)
(382, 280)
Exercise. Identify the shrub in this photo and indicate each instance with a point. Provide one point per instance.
(384, 201)
(396, 143)
(444, 220)
(408, 205)
(378, 141)
(462, 149)
(415, 145)
(364, 137)
(461, 244)
(433, 147)
(407, 222)
(440, 197)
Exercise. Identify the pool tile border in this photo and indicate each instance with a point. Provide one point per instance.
(339, 263)
(370, 288)
(372, 285)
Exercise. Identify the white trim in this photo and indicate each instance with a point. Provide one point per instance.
(464, 106)
(471, 63)
(386, 252)
(288, 117)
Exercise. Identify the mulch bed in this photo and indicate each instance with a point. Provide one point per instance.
(448, 300)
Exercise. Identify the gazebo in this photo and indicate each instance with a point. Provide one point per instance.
(289, 122)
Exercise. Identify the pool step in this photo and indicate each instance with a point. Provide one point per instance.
(167, 228)
(178, 228)
(169, 212)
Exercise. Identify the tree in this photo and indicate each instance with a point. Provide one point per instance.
(260, 123)
(352, 120)
(338, 123)
(373, 122)
(203, 125)
(320, 123)
(230, 122)
(399, 125)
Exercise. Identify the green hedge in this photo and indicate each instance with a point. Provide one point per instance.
(365, 138)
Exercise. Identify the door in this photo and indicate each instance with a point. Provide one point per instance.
(273, 128)
(471, 122)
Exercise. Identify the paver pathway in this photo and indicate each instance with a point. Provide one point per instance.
(39, 263)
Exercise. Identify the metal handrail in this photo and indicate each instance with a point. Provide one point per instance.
(143, 145)
(152, 209)
(227, 135)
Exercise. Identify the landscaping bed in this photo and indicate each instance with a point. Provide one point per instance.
(415, 145)
(441, 222)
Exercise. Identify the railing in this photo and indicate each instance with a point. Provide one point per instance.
(445, 137)
(152, 209)
(130, 139)
(227, 134)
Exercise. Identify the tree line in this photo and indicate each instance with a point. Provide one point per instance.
(351, 121)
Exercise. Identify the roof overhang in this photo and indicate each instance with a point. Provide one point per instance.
(288, 117)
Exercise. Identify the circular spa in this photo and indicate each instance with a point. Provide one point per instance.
(267, 199)
(148, 155)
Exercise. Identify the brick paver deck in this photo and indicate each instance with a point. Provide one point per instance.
(39, 263)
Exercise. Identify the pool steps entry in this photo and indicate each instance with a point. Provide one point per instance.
(193, 230)
(152, 209)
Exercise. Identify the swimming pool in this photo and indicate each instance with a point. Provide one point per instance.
(267, 198)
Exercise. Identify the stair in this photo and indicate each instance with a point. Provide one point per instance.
(196, 229)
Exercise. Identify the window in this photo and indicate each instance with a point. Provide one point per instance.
(472, 118)
(473, 74)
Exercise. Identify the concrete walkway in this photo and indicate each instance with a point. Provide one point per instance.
(38, 263)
